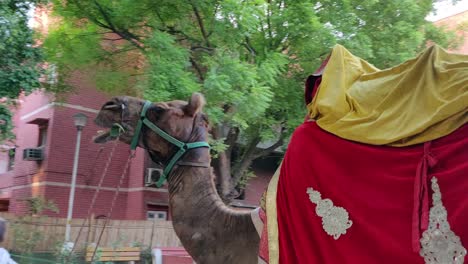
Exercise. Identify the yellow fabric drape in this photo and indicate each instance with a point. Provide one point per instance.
(419, 100)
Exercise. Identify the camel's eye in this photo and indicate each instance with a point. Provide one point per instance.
(156, 111)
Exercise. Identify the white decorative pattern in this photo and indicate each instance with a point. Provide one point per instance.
(439, 244)
(335, 220)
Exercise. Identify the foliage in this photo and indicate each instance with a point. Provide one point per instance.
(244, 179)
(25, 235)
(19, 58)
(249, 58)
(63, 256)
(6, 126)
(146, 255)
(217, 146)
(37, 205)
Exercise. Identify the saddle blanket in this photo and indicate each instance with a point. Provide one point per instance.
(338, 201)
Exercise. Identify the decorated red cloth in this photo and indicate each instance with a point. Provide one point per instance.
(386, 191)
(263, 248)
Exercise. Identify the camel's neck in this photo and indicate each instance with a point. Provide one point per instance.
(193, 194)
(200, 218)
(199, 215)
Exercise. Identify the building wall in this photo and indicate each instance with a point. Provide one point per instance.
(459, 23)
(6, 181)
(256, 187)
(27, 173)
(263, 168)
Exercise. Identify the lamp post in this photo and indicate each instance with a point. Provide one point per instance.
(80, 121)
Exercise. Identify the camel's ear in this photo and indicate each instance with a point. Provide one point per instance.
(195, 104)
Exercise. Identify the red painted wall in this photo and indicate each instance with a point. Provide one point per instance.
(27, 136)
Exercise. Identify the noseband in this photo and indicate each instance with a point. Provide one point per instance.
(183, 147)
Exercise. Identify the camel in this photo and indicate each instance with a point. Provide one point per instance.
(210, 231)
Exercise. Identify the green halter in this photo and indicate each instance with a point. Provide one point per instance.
(183, 147)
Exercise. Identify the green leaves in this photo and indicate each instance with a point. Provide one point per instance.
(19, 56)
(19, 59)
(234, 52)
(385, 33)
(74, 44)
(6, 123)
(168, 75)
(249, 58)
(237, 89)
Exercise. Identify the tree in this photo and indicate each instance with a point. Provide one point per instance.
(249, 58)
(19, 59)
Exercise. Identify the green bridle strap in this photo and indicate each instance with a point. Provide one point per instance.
(183, 147)
(136, 136)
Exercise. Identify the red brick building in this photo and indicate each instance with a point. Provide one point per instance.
(458, 23)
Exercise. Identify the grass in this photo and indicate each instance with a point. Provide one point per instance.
(39, 258)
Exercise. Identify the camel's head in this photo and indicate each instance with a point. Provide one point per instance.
(177, 118)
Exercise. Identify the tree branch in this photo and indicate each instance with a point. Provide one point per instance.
(109, 54)
(200, 23)
(206, 49)
(271, 148)
(249, 47)
(231, 139)
(270, 33)
(94, 33)
(197, 69)
(160, 18)
(246, 160)
(124, 33)
(213, 18)
(173, 31)
(93, 19)
(113, 39)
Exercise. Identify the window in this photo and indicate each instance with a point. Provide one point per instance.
(4, 204)
(157, 212)
(156, 215)
(7, 160)
(42, 124)
(11, 159)
(42, 136)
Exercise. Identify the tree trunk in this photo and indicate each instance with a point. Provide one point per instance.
(246, 160)
(228, 176)
(251, 153)
(224, 177)
(222, 167)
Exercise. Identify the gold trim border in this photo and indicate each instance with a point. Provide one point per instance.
(272, 220)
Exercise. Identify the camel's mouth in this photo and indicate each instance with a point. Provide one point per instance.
(108, 133)
(103, 136)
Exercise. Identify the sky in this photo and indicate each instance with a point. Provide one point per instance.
(446, 8)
